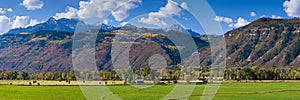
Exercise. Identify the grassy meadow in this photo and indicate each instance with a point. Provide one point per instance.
(227, 91)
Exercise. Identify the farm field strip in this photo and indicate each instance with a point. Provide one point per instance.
(227, 91)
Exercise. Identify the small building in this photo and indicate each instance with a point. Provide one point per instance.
(199, 81)
(139, 80)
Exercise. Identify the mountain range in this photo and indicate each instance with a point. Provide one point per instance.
(64, 24)
(48, 46)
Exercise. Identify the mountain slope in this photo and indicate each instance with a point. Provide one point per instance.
(51, 51)
(265, 42)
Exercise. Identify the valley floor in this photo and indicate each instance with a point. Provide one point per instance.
(227, 91)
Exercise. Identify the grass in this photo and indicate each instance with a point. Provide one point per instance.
(227, 91)
(40, 92)
(260, 91)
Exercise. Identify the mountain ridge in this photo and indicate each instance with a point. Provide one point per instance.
(264, 42)
(63, 24)
(69, 25)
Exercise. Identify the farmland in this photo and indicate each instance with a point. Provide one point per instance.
(228, 90)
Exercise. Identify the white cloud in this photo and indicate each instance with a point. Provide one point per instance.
(253, 14)
(69, 13)
(263, 16)
(184, 5)
(276, 17)
(239, 23)
(292, 7)
(100, 9)
(32, 22)
(123, 23)
(123, 11)
(223, 19)
(23, 21)
(232, 23)
(154, 18)
(105, 21)
(5, 24)
(18, 22)
(32, 4)
(9, 10)
(273, 16)
(4, 11)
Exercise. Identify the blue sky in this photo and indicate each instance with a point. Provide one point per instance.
(242, 8)
(230, 13)
(49, 9)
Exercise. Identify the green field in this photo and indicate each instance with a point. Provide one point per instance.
(227, 91)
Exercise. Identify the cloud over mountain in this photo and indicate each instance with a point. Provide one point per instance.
(170, 9)
(223, 19)
(100, 9)
(239, 23)
(17, 22)
(4, 24)
(232, 23)
(70, 12)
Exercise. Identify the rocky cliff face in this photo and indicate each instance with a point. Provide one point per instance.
(265, 42)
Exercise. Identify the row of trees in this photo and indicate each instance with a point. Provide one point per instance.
(170, 73)
(129, 75)
(93, 75)
(22, 75)
(257, 73)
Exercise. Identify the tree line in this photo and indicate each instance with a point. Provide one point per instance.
(175, 72)
(22, 75)
(257, 73)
